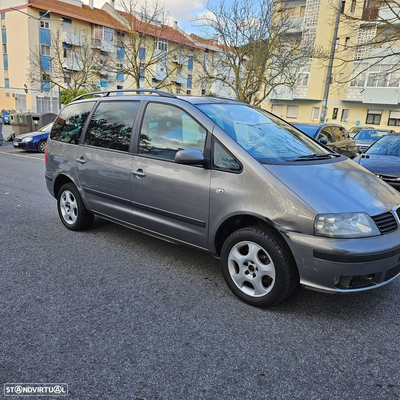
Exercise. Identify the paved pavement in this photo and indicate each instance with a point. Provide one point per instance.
(120, 315)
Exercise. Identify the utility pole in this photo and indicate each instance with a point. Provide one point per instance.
(328, 79)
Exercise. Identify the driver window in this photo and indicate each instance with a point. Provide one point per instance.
(167, 129)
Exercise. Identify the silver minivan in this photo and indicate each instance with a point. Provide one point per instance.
(277, 207)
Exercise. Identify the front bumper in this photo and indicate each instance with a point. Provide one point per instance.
(20, 145)
(346, 265)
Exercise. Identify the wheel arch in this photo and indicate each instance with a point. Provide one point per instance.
(59, 182)
(236, 222)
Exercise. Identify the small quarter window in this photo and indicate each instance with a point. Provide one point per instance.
(223, 160)
(69, 124)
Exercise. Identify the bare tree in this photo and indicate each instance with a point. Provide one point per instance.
(153, 52)
(259, 47)
(69, 67)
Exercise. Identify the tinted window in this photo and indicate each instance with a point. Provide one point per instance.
(111, 125)
(69, 124)
(264, 136)
(224, 160)
(388, 145)
(167, 129)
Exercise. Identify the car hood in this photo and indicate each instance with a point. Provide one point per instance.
(32, 134)
(381, 164)
(337, 187)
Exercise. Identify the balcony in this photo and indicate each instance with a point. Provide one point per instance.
(374, 95)
(73, 38)
(288, 93)
(103, 45)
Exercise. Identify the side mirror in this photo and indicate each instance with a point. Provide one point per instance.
(189, 156)
(324, 141)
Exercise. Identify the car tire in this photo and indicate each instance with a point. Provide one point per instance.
(42, 146)
(258, 267)
(72, 211)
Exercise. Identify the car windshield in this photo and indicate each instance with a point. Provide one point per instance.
(267, 138)
(370, 135)
(388, 145)
(46, 128)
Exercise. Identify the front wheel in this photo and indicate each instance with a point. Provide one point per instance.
(258, 267)
(72, 211)
(42, 146)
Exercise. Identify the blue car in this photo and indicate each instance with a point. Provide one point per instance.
(34, 141)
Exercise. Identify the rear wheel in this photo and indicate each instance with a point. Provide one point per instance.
(258, 267)
(72, 211)
(42, 146)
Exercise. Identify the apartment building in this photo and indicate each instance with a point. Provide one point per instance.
(29, 29)
(370, 98)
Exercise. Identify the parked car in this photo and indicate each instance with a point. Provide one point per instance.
(383, 159)
(6, 115)
(33, 141)
(276, 206)
(333, 135)
(355, 129)
(366, 137)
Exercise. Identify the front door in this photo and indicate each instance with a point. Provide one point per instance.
(168, 198)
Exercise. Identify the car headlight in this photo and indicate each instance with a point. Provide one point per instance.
(349, 225)
(28, 139)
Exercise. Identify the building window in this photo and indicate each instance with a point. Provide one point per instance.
(345, 115)
(188, 92)
(343, 7)
(5, 61)
(108, 34)
(353, 6)
(394, 118)
(315, 114)
(7, 83)
(302, 11)
(4, 48)
(335, 113)
(374, 117)
(45, 50)
(292, 111)
(119, 87)
(162, 45)
(302, 79)
(346, 42)
(45, 24)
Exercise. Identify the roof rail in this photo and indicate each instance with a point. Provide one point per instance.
(107, 93)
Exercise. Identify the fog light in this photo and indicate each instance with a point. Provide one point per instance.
(336, 280)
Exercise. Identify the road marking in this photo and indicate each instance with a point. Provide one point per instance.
(18, 155)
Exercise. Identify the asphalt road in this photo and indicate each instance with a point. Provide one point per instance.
(120, 315)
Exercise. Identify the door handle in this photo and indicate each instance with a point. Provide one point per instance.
(81, 160)
(139, 173)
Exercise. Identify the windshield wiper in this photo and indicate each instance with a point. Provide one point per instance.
(312, 157)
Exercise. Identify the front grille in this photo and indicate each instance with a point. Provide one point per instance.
(385, 222)
(392, 273)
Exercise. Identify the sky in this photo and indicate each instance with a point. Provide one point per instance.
(183, 11)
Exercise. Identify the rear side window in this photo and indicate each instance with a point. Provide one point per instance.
(111, 125)
(69, 124)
